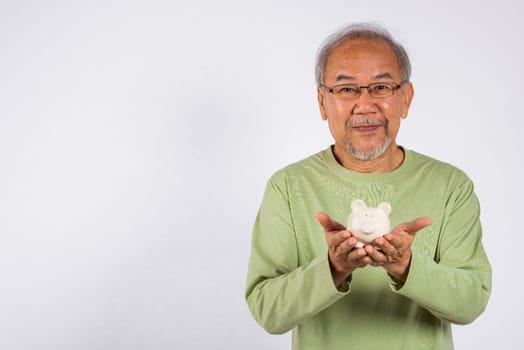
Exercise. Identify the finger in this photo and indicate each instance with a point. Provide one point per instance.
(327, 223)
(393, 245)
(414, 226)
(349, 244)
(376, 256)
(391, 242)
(368, 260)
(335, 239)
(356, 257)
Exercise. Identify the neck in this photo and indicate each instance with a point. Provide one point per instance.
(390, 160)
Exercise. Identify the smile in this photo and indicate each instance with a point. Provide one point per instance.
(367, 127)
(364, 124)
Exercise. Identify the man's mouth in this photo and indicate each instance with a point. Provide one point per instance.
(367, 127)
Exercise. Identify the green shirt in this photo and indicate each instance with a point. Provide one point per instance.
(289, 284)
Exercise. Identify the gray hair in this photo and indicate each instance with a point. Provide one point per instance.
(361, 31)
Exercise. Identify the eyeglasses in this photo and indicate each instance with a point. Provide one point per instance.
(353, 91)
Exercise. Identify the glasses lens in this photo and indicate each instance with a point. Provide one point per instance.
(381, 89)
(346, 91)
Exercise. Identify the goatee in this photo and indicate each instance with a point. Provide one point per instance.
(368, 154)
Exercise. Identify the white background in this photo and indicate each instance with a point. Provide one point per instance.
(136, 138)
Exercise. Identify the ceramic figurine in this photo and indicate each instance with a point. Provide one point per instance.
(367, 223)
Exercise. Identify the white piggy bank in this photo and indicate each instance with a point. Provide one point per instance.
(366, 223)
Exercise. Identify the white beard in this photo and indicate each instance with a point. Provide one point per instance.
(368, 154)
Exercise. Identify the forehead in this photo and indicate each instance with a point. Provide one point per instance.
(362, 59)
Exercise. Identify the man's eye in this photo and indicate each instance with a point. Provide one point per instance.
(381, 87)
(347, 90)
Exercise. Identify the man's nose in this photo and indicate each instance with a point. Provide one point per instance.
(365, 103)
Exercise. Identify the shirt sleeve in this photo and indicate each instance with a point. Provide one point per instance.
(280, 293)
(456, 285)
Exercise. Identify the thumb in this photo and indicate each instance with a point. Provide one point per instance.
(327, 223)
(414, 226)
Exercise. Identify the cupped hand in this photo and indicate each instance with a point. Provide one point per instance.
(393, 250)
(344, 257)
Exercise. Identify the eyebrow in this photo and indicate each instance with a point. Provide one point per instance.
(377, 77)
(384, 76)
(343, 77)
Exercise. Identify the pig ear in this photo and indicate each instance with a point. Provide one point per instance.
(385, 207)
(358, 204)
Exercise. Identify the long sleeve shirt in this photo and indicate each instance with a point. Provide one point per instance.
(289, 284)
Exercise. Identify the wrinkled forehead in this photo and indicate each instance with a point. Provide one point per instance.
(354, 47)
(362, 53)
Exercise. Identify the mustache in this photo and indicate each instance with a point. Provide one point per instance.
(356, 122)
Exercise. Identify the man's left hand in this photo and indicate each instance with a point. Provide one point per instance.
(393, 250)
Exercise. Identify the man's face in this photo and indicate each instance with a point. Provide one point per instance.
(365, 128)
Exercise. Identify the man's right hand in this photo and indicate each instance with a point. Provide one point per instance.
(344, 257)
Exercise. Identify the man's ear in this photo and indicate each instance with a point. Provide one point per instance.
(407, 96)
(320, 98)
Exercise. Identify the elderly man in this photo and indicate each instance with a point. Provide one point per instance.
(402, 290)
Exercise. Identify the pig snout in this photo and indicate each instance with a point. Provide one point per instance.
(368, 228)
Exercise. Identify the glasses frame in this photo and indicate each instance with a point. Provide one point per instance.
(367, 87)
